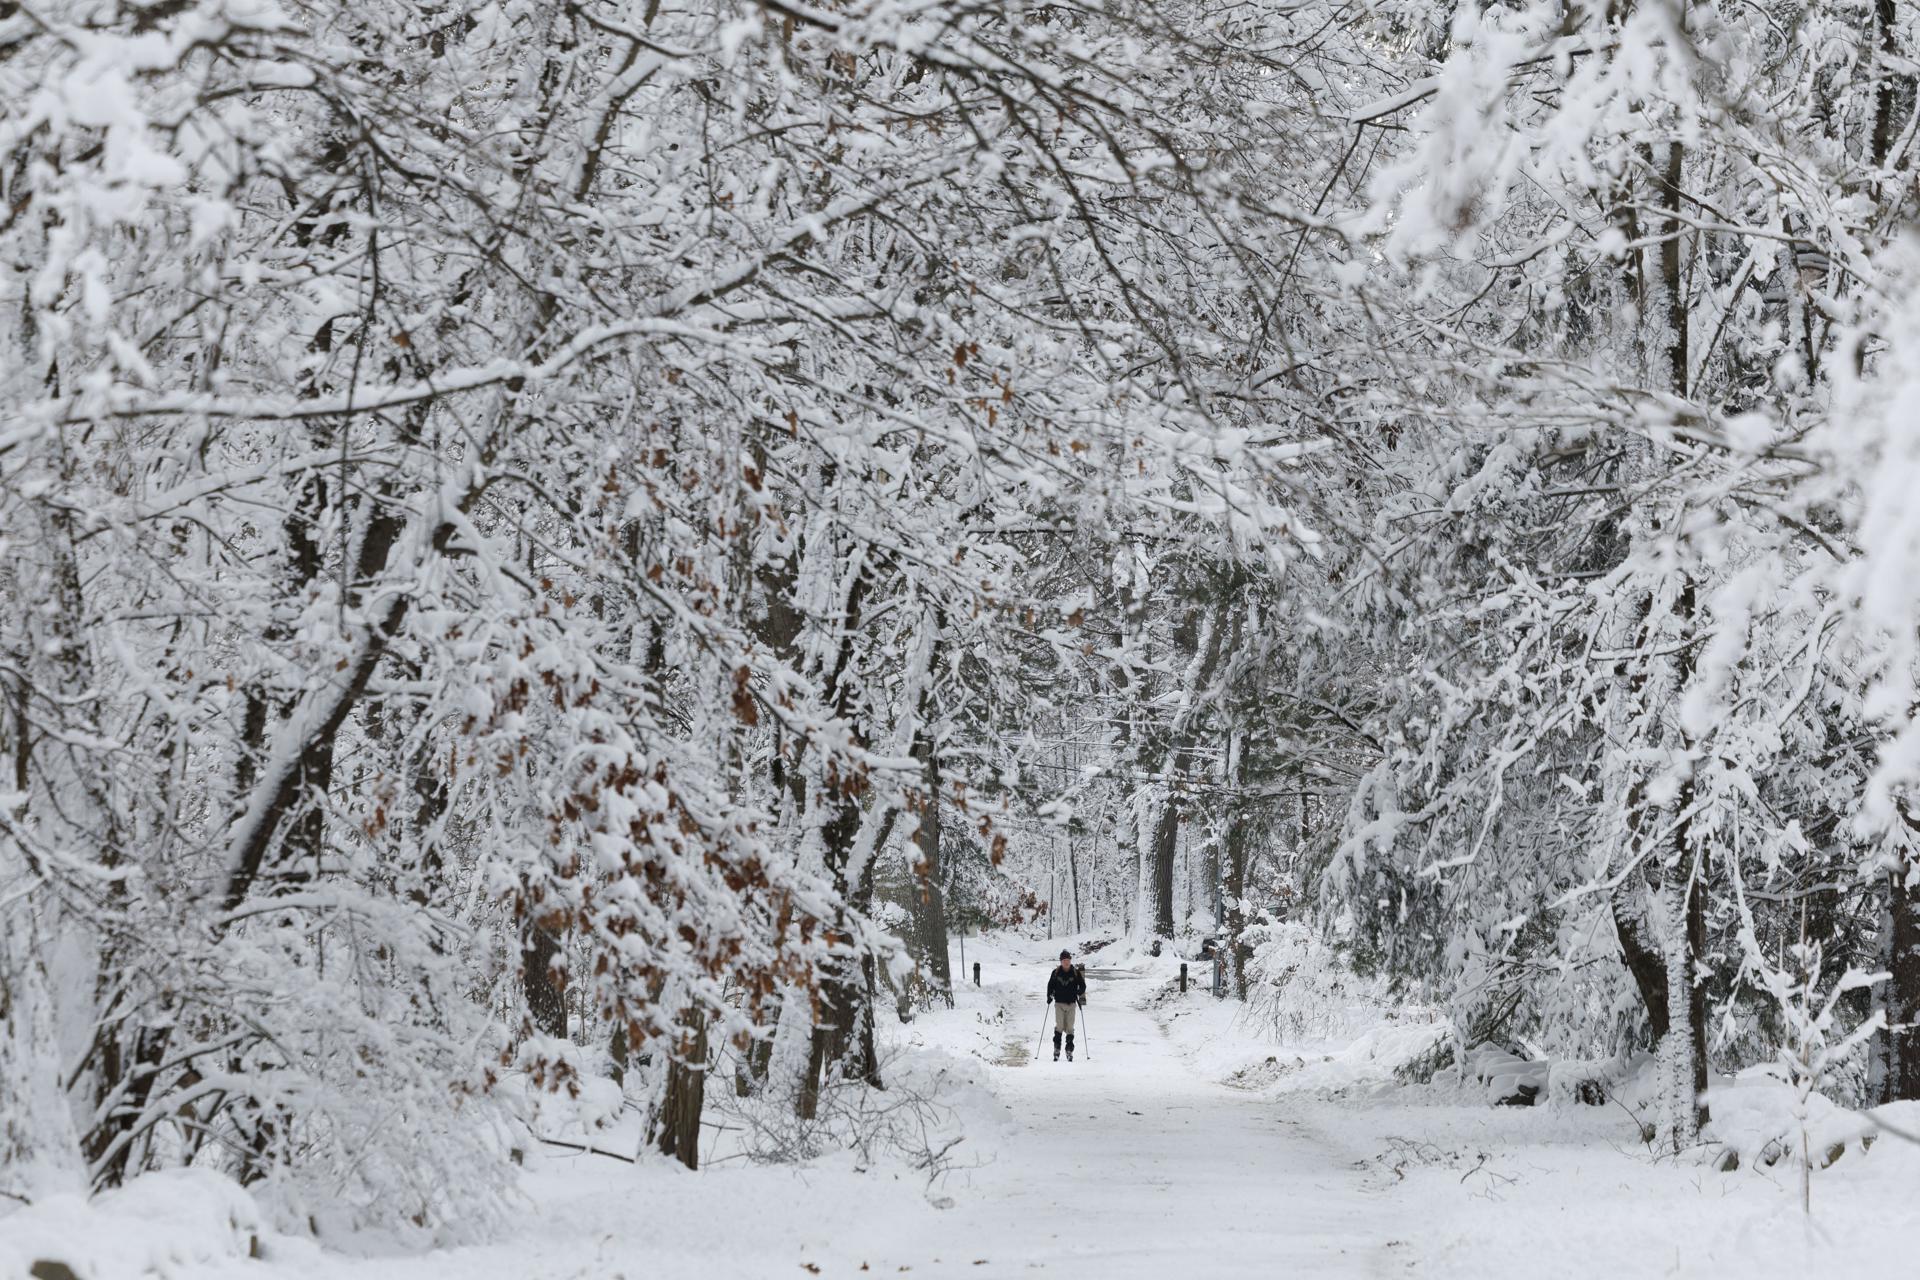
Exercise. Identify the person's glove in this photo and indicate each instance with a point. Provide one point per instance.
(1083, 1002)
(1049, 999)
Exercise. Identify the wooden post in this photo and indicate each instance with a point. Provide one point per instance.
(976, 973)
(1183, 977)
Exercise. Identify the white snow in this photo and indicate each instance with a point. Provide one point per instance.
(178, 1222)
(1137, 1160)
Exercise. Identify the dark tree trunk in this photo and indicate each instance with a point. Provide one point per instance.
(843, 1037)
(1686, 868)
(844, 1041)
(1166, 842)
(1696, 916)
(1646, 962)
(544, 983)
(1892, 88)
(251, 849)
(929, 903)
(617, 1054)
(1671, 883)
(266, 817)
(23, 743)
(1672, 277)
(677, 1129)
(1073, 882)
(1238, 847)
(1901, 1080)
(300, 851)
(303, 854)
(1206, 648)
(808, 1104)
(759, 1055)
(1895, 1067)
(1641, 953)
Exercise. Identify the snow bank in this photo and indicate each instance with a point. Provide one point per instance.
(1508, 1077)
(178, 1222)
(1376, 1060)
(1753, 1119)
(1627, 1078)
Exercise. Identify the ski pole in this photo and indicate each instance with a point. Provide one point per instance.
(1041, 1047)
(1086, 1034)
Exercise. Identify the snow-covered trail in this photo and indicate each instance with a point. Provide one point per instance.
(1128, 1164)
(1122, 1165)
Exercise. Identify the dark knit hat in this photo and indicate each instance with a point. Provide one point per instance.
(1066, 955)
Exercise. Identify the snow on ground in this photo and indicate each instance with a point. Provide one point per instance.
(1184, 1140)
(1457, 1187)
(1482, 1192)
(182, 1222)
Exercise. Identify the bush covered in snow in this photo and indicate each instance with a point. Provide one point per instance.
(1301, 986)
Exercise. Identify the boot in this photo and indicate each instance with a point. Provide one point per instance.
(1069, 1048)
(1056, 1046)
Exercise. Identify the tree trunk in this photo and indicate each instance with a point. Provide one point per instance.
(677, 1127)
(1676, 884)
(1894, 1068)
(544, 984)
(1178, 761)
(1683, 1050)
(617, 1054)
(1894, 1074)
(1166, 841)
(929, 902)
(843, 1035)
(759, 1053)
(845, 1040)
(1212, 871)
(1238, 846)
(1641, 950)
(1673, 298)
(1891, 87)
(1662, 930)
(1662, 925)
(1073, 882)
(1684, 889)
(808, 1104)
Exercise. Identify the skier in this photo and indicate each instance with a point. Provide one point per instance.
(1066, 991)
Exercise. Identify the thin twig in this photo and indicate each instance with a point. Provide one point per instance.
(588, 1150)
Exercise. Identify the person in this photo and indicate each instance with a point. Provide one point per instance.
(1066, 992)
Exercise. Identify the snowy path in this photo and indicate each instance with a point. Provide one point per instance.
(1133, 1164)
(1121, 1166)
(1129, 1164)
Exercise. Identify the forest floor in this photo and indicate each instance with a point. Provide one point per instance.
(1180, 1142)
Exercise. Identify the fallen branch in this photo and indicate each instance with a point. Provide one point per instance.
(584, 1148)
